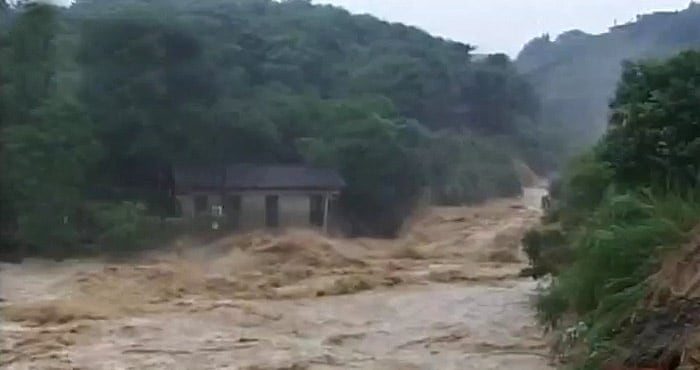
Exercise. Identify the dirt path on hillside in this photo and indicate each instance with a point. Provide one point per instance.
(444, 296)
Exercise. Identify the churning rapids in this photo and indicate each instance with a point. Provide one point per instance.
(444, 296)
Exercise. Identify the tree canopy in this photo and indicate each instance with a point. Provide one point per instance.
(108, 95)
(618, 211)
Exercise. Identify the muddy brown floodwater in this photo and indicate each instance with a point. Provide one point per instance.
(444, 296)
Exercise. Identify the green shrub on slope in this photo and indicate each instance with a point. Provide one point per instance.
(624, 204)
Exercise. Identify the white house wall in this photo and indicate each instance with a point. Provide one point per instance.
(294, 208)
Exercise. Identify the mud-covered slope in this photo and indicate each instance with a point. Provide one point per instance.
(669, 334)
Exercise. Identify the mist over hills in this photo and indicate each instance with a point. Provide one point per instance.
(575, 74)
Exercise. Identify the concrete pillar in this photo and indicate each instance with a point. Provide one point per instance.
(326, 201)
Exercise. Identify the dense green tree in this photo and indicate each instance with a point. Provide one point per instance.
(151, 84)
(654, 135)
(463, 169)
(29, 62)
(370, 148)
(221, 81)
(44, 166)
(47, 140)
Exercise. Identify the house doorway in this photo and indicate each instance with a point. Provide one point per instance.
(201, 205)
(316, 210)
(272, 217)
(232, 210)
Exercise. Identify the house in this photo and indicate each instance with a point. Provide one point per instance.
(248, 196)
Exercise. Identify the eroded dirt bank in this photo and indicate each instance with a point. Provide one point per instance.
(445, 296)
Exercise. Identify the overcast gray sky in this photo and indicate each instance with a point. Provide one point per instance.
(505, 25)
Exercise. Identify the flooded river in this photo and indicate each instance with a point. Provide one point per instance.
(445, 296)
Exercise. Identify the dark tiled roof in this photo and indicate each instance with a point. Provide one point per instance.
(256, 177)
(281, 177)
(198, 178)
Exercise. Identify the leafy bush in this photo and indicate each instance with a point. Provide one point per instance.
(547, 250)
(120, 227)
(615, 252)
(583, 186)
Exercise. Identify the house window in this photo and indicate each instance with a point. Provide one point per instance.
(217, 211)
(316, 210)
(200, 204)
(272, 211)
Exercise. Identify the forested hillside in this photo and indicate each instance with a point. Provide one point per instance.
(621, 240)
(101, 99)
(576, 73)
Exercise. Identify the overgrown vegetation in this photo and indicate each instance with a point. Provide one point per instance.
(620, 207)
(99, 100)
